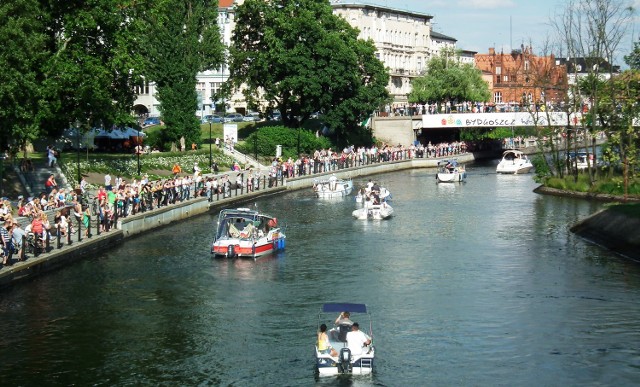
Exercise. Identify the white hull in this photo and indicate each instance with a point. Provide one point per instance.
(373, 211)
(451, 177)
(336, 189)
(514, 162)
(514, 169)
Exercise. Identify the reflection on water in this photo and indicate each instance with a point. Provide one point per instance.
(483, 274)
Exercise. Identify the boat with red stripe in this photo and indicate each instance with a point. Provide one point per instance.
(242, 232)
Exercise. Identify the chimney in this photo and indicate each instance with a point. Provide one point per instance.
(492, 51)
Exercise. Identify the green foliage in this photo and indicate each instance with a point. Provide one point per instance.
(302, 58)
(633, 59)
(21, 56)
(612, 186)
(265, 139)
(181, 39)
(541, 167)
(449, 80)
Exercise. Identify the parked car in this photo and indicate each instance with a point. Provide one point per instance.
(213, 118)
(151, 121)
(248, 118)
(233, 117)
(276, 116)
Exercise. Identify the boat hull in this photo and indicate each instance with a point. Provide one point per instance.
(455, 177)
(238, 248)
(329, 189)
(374, 211)
(514, 169)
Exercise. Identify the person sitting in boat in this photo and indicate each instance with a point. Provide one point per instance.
(375, 198)
(333, 182)
(357, 340)
(344, 323)
(324, 345)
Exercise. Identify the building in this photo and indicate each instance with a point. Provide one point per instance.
(579, 68)
(520, 77)
(403, 40)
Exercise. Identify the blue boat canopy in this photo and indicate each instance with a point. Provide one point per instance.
(338, 307)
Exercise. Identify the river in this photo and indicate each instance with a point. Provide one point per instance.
(480, 283)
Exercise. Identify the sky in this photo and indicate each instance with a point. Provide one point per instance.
(481, 24)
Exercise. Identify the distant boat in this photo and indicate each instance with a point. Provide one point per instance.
(242, 232)
(332, 187)
(514, 162)
(449, 171)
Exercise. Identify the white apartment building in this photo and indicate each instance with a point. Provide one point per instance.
(404, 41)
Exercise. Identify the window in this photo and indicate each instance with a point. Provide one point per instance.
(526, 65)
(506, 78)
(497, 97)
(498, 70)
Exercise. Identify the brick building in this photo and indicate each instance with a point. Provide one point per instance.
(522, 77)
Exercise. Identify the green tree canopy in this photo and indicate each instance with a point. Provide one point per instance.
(449, 80)
(22, 52)
(182, 38)
(301, 58)
(633, 59)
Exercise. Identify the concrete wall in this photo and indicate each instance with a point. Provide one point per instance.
(396, 130)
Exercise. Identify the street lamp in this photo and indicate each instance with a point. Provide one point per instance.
(78, 151)
(299, 127)
(138, 149)
(210, 158)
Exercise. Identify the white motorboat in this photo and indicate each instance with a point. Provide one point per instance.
(449, 171)
(242, 232)
(332, 187)
(373, 211)
(579, 160)
(514, 162)
(354, 360)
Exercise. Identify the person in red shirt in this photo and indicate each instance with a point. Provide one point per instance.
(102, 195)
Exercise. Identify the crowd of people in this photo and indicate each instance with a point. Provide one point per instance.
(58, 212)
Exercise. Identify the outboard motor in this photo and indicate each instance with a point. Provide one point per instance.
(344, 365)
(231, 251)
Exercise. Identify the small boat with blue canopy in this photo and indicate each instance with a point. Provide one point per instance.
(345, 353)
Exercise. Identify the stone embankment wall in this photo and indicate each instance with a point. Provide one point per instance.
(612, 229)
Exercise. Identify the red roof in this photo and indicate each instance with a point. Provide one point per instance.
(226, 3)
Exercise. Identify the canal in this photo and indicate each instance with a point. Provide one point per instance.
(469, 284)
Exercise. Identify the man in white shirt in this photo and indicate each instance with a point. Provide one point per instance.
(357, 340)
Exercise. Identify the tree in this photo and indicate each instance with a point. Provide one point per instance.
(592, 30)
(301, 58)
(92, 63)
(633, 59)
(182, 38)
(22, 52)
(447, 79)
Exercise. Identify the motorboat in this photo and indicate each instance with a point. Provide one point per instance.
(579, 160)
(371, 210)
(450, 171)
(243, 232)
(353, 360)
(332, 187)
(382, 193)
(514, 162)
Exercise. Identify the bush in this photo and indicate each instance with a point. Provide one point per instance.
(264, 142)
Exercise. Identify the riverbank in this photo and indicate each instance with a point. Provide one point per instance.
(617, 228)
(132, 225)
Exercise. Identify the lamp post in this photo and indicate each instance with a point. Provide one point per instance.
(78, 151)
(299, 127)
(138, 149)
(210, 157)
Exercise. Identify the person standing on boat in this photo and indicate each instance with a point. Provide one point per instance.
(357, 340)
(343, 319)
(333, 182)
(344, 323)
